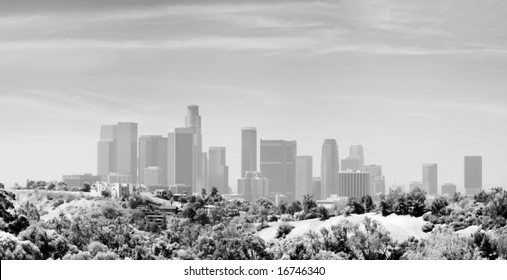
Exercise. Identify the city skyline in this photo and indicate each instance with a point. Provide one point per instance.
(411, 81)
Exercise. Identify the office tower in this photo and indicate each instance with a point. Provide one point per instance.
(430, 178)
(193, 123)
(248, 150)
(153, 153)
(355, 161)
(329, 168)
(218, 170)
(473, 174)
(449, 189)
(317, 188)
(180, 157)
(152, 176)
(304, 176)
(106, 151)
(377, 181)
(253, 186)
(117, 150)
(278, 164)
(205, 166)
(354, 184)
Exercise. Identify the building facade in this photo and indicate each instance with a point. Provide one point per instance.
(473, 174)
(377, 180)
(153, 153)
(329, 168)
(248, 150)
(430, 178)
(77, 181)
(253, 186)
(278, 164)
(354, 184)
(218, 169)
(304, 176)
(180, 157)
(449, 189)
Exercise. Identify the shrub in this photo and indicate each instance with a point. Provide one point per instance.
(284, 230)
(428, 227)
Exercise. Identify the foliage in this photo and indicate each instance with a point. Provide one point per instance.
(284, 230)
(399, 203)
(86, 187)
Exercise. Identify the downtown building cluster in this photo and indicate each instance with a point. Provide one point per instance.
(177, 162)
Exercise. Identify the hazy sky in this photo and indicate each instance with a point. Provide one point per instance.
(412, 81)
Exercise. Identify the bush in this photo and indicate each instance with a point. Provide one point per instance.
(286, 218)
(284, 230)
(428, 227)
(106, 193)
(58, 203)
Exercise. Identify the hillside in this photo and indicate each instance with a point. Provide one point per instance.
(400, 227)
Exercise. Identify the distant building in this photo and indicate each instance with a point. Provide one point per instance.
(354, 184)
(218, 169)
(121, 190)
(248, 150)
(355, 161)
(253, 186)
(153, 153)
(473, 174)
(415, 184)
(304, 176)
(114, 178)
(329, 168)
(278, 164)
(430, 178)
(449, 189)
(377, 181)
(181, 189)
(117, 150)
(317, 188)
(180, 150)
(77, 181)
(193, 124)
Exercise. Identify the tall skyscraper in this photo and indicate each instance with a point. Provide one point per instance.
(106, 151)
(304, 176)
(329, 168)
(278, 164)
(218, 170)
(205, 167)
(117, 150)
(248, 150)
(355, 161)
(377, 181)
(354, 184)
(253, 186)
(153, 153)
(473, 174)
(193, 123)
(430, 178)
(180, 157)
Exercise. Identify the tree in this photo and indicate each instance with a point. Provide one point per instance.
(86, 187)
(284, 230)
(308, 203)
(51, 186)
(203, 193)
(106, 193)
(367, 203)
(214, 191)
(323, 213)
(438, 206)
(357, 208)
(2, 186)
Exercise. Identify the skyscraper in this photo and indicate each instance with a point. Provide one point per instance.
(329, 168)
(193, 123)
(473, 174)
(317, 188)
(430, 178)
(180, 157)
(377, 181)
(354, 184)
(278, 164)
(248, 150)
(117, 150)
(153, 153)
(304, 176)
(218, 170)
(355, 161)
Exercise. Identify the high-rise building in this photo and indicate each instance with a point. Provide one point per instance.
(355, 161)
(416, 185)
(248, 150)
(304, 176)
(329, 168)
(180, 157)
(449, 189)
(430, 178)
(193, 123)
(354, 184)
(317, 188)
(473, 174)
(205, 167)
(152, 176)
(117, 150)
(153, 153)
(278, 164)
(253, 186)
(377, 181)
(218, 170)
